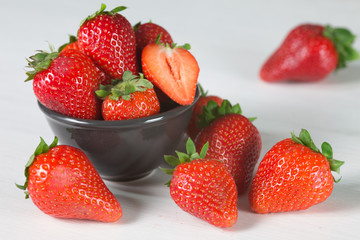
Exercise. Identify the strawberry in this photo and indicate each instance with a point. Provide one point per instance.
(66, 82)
(147, 33)
(309, 53)
(293, 175)
(232, 139)
(134, 97)
(63, 183)
(203, 187)
(109, 39)
(73, 44)
(193, 129)
(173, 69)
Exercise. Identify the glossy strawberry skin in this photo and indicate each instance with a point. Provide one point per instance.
(110, 42)
(63, 183)
(104, 79)
(68, 86)
(147, 33)
(141, 104)
(193, 129)
(235, 141)
(305, 55)
(290, 177)
(205, 189)
(174, 71)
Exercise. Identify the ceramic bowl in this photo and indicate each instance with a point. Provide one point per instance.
(127, 149)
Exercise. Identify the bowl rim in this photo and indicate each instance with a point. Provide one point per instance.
(102, 124)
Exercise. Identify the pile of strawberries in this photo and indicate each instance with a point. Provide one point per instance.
(113, 71)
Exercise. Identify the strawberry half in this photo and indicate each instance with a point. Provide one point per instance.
(146, 33)
(173, 69)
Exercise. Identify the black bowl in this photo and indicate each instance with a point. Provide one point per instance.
(127, 149)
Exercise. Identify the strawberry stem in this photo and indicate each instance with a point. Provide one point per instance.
(40, 61)
(343, 40)
(326, 150)
(102, 11)
(212, 111)
(189, 156)
(40, 149)
(130, 83)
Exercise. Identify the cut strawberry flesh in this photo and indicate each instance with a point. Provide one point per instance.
(174, 71)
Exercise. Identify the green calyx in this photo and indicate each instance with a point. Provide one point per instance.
(343, 40)
(102, 11)
(40, 61)
(136, 26)
(212, 111)
(181, 157)
(202, 92)
(304, 138)
(40, 149)
(130, 83)
(72, 39)
(186, 46)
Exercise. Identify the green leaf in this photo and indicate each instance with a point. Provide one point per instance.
(172, 160)
(129, 84)
(186, 46)
(335, 165)
(190, 147)
(39, 62)
(212, 111)
(40, 149)
(167, 170)
(204, 150)
(183, 157)
(307, 141)
(326, 150)
(118, 9)
(102, 93)
(343, 40)
(202, 92)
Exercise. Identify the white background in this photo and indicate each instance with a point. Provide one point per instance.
(230, 39)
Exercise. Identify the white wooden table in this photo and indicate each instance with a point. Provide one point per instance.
(230, 40)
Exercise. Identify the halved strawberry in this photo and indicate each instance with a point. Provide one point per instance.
(173, 69)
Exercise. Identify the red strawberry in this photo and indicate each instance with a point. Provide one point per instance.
(73, 44)
(232, 139)
(63, 183)
(108, 38)
(66, 82)
(294, 175)
(309, 53)
(173, 69)
(134, 97)
(203, 187)
(147, 33)
(193, 129)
